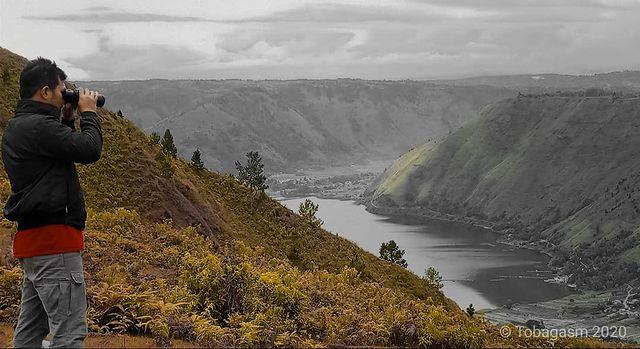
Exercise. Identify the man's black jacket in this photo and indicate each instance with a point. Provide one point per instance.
(39, 152)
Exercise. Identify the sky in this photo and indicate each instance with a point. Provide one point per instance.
(293, 39)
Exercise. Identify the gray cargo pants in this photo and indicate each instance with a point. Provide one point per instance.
(53, 300)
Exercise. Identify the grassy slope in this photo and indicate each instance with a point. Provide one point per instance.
(562, 169)
(232, 267)
(9, 89)
(395, 179)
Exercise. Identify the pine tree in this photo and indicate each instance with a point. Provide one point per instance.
(308, 210)
(389, 251)
(167, 144)
(433, 278)
(252, 174)
(471, 310)
(196, 161)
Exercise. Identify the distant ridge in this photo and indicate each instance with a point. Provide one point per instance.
(300, 123)
(552, 82)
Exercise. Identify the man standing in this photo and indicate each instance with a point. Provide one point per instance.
(39, 151)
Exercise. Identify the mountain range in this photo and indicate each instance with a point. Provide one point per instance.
(302, 124)
(297, 124)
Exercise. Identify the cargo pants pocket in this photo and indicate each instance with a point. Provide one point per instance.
(54, 295)
(78, 296)
(63, 297)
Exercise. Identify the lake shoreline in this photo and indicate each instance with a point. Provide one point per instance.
(591, 308)
(424, 215)
(586, 309)
(427, 215)
(479, 285)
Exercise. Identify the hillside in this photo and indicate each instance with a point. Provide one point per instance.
(180, 254)
(560, 172)
(297, 124)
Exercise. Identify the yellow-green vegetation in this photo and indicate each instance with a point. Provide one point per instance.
(178, 253)
(11, 65)
(396, 177)
(156, 279)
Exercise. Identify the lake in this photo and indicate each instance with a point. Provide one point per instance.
(475, 269)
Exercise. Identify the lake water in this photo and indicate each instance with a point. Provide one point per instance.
(474, 267)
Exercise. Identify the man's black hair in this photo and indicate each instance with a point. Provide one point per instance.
(37, 74)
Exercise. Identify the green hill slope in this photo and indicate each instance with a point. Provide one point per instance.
(177, 253)
(561, 171)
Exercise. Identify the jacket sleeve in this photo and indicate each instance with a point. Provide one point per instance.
(57, 140)
(69, 123)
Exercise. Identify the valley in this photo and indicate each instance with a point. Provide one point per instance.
(185, 254)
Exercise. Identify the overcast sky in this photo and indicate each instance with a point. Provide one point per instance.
(287, 39)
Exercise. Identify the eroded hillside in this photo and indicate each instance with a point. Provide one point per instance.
(561, 171)
(297, 124)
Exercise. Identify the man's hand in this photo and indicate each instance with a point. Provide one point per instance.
(87, 101)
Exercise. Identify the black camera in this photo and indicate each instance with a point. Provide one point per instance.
(72, 96)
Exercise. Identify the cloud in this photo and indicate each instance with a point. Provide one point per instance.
(416, 11)
(97, 8)
(347, 13)
(543, 11)
(291, 40)
(375, 39)
(442, 40)
(506, 4)
(438, 11)
(116, 17)
(137, 62)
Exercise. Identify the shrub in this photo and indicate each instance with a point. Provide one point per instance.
(154, 138)
(308, 210)
(164, 165)
(389, 251)
(10, 293)
(433, 278)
